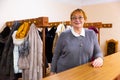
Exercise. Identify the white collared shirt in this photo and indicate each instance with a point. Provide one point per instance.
(76, 34)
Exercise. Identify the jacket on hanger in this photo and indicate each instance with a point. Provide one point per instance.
(6, 63)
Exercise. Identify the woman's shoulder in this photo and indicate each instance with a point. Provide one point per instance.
(89, 31)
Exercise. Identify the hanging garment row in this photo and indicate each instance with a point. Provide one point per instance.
(51, 38)
(21, 52)
(18, 42)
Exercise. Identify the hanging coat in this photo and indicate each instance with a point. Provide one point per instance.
(35, 56)
(6, 63)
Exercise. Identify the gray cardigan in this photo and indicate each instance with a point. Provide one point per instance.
(73, 51)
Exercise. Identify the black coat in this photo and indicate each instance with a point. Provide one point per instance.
(3, 38)
(6, 62)
(49, 43)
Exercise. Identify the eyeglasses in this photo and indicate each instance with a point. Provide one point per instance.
(75, 18)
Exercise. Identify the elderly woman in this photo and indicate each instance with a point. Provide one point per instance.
(76, 46)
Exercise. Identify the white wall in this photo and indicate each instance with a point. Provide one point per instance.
(105, 13)
(24, 9)
(91, 2)
(57, 11)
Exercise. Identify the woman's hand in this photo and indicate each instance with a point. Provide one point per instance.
(98, 62)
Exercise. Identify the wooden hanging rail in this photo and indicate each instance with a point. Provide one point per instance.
(39, 22)
(86, 25)
(10, 23)
(57, 23)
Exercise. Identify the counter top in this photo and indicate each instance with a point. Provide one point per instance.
(109, 70)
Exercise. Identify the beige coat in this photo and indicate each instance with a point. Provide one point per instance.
(35, 56)
(59, 30)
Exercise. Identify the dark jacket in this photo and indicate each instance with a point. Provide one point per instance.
(6, 63)
(3, 38)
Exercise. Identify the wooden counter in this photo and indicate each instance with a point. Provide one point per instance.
(108, 71)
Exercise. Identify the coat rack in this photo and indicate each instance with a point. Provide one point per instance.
(86, 25)
(42, 22)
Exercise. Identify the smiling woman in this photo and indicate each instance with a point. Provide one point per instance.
(76, 46)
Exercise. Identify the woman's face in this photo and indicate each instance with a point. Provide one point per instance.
(77, 20)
